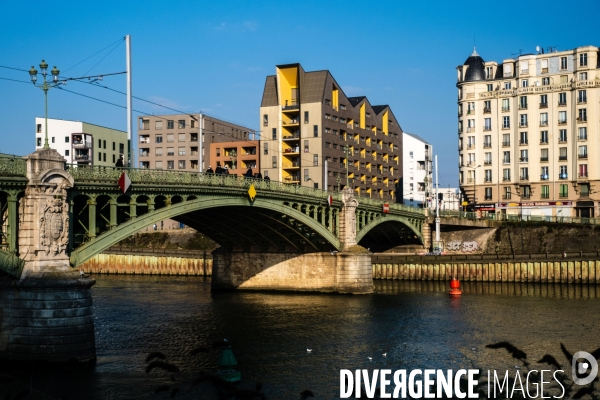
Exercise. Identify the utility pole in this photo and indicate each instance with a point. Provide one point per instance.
(130, 137)
(326, 175)
(347, 151)
(437, 205)
(201, 145)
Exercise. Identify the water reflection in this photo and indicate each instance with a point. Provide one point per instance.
(416, 323)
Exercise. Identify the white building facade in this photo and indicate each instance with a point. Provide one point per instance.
(82, 143)
(417, 171)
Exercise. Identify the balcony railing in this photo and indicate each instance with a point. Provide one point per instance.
(506, 179)
(543, 123)
(582, 156)
(524, 159)
(487, 162)
(523, 124)
(294, 105)
(562, 158)
(543, 105)
(524, 177)
(543, 141)
(581, 119)
(522, 106)
(505, 144)
(471, 146)
(506, 126)
(506, 108)
(523, 142)
(562, 121)
(487, 110)
(487, 145)
(82, 157)
(582, 101)
(506, 161)
(544, 177)
(543, 159)
(545, 195)
(487, 128)
(582, 175)
(508, 74)
(470, 129)
(563, 176)
(562, 103)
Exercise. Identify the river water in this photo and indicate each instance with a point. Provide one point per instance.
(416, 323)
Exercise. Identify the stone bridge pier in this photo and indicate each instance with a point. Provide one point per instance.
(46, 306)
(346, 271)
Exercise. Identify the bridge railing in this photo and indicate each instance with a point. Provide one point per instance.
(12, 165)
(518, 217)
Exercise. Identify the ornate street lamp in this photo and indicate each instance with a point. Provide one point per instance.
(45, 87)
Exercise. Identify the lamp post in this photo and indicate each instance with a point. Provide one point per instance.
(45, 87)
(338, 180)
(347, 152)
(474, 198)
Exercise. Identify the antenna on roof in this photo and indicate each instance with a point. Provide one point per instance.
(537, 48)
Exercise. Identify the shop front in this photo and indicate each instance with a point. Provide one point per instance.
(584, 209)
(537, 208)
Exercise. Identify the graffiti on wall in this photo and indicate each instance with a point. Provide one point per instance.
(465, 247)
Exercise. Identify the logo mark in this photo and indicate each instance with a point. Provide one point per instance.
(582, 367)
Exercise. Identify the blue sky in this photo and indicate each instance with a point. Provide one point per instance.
(214, 56)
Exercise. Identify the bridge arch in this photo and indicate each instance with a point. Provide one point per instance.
(391, 231)
(280, 224)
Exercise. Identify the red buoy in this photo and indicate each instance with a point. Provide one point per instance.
(455, 287)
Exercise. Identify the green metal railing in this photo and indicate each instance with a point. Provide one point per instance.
(12, 165)
(168, 177)
(518, 217)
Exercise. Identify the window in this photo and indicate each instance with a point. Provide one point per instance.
(526, 192)
(487, 141)
(562, 117)
(505, 104)
(218, 151)
(67, 140)
(114, 146)
(471, 142)
(121, 148)
(265, 119)
(488, 158)
(306, 146)
(523, 120)
(265, 148)
(524, 156)
(505, 122)
(523, 138)
(39, 128)
(315, 130)
(487, 124)
(99, 143)
(158, 139)
(562, 153)
(506, 139)
(274, 161)
(543, 137)
(488, 175)
(543, 119)
(490, 87)
(306, 117)
(583, 76)
(582, 115)
(159, 165)
(544, 155)
(582, 152)
(181, 137)
(67, 154)
(507, 85)
(524, 83)
(506, 157)
(181, 164)
(545, 192)
(523, 102)
(506, 174)
(583, 172)
(544, 174)
(144, 124)
(170, 151)
(545, 66)
(584, 189)
(170, 137)
(470, 107)
(488, 193)
(274, 137)
(583, 60)
(170, 124)
(170, 164)
(158, 151)
(39, 141)
(545, 81)
(563, 191)
(582, 133)
(104, 157)
(181, 124)
(410, 154)
(582, 96)
(488, 72)
(158, 125)
(181, 151)
(563, 63)
(506, 192)
(562, 135)
(487, 106)
(562, 99)
(524, 174)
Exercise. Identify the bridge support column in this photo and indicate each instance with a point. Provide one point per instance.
(426, 236)
(12, 223)
(47, 312)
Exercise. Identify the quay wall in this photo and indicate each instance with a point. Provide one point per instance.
(529, 268)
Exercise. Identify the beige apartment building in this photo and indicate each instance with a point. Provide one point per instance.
(528, 133)
(182, 141)
(236, 156)
(307, 121)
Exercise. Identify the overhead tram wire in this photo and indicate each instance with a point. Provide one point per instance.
(14, 80)
(102, 59)
(100, 51)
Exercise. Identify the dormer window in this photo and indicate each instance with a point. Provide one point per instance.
(489, 72)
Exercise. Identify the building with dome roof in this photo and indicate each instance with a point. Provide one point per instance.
(528, 131)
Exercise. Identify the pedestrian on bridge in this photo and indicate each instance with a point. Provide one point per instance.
(210, 170)
(248, 173)
(258, 176)
(219, 170)
(119, 163)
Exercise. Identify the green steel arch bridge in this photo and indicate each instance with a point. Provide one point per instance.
(280, 218)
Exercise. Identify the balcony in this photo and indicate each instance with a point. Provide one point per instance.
(524, 72)
(470, 129)
(291, 105)
(563, 195)
(506, 179)
(487, 162)
(82, 157)
(487, 180)
(581, 119)
(470, 146)
(144, 139)
(523, 142)
(582, 175)
(543, 123)
(505, 144)
(488, 197)
(524, 177)
(562, 158)
(563, 176)
(543, 159)
(508, 74)
(545, 195)
(506, 126)
(562, 140)
(294, 136)
(543, 105)
(292, 122)
(562, 103)
(544, 177)
(544, 70)
(523, 124)
(524, 159)
(506, 161)
(487, 128)
(84, 145)
(144, 154)
(562, 121)
(487, 145)
(487, 110)
(504, 109)
(582, 156)
(522, 106)
(543, 141)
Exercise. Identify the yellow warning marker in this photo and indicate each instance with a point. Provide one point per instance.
(252, 192)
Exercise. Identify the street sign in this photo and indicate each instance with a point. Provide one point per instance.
(330, 200)
(252, 192)
(386, 207)
(465, 203)
(124, 182)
